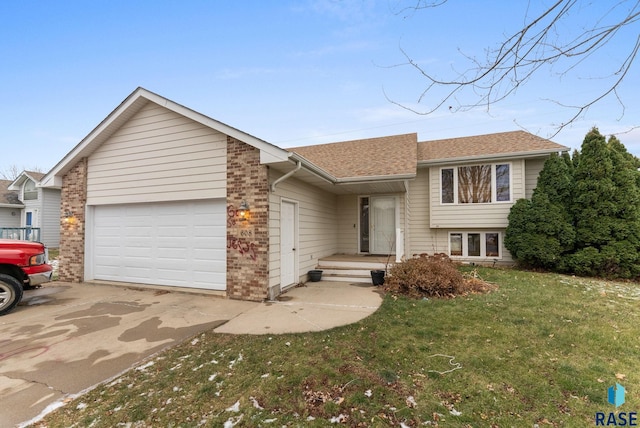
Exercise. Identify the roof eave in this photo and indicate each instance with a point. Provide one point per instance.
(375, 178)
(496, 156)
(312, 168)
(20, 179)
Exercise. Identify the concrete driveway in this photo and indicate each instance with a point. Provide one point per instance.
(66, 338)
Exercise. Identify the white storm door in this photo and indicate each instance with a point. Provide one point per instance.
(287, 243)
(382, 212)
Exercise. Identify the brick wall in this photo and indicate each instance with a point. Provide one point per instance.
(248, 240)
(73, 198)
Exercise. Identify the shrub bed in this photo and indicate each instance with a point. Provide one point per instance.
(432, 276)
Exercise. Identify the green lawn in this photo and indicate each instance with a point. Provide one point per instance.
(542, 349)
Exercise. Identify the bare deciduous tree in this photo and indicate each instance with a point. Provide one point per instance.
(542, 42)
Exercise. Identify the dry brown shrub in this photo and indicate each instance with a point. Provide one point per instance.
(432, 276)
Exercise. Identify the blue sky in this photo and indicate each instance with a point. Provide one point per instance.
(290, 72)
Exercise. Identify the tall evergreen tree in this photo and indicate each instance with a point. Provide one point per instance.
(605, 210)
(584, 216)
(540, 230)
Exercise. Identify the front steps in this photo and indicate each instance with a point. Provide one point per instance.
(350, 269)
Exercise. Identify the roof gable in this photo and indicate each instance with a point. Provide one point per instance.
(383, 157)
(24, 176)
(128, 108)
(503, 144)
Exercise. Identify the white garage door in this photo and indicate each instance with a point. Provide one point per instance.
(170, 243)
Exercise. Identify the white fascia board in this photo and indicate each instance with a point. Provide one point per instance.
(17, 183)
(312, 168)
(376, 178)
(12, 206)
(53, 179)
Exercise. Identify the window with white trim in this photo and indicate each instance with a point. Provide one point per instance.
(29, 191)
(475, 244)
(475, 184)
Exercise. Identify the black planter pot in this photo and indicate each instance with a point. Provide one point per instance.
(315, 275)
(377, 277)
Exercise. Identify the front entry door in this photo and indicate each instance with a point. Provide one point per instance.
(382, 224)
(287, 243)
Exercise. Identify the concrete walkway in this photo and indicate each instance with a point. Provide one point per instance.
(66, 338)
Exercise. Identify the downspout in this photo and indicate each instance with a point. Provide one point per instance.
(287, 175)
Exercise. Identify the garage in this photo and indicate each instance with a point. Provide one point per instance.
(179, 244)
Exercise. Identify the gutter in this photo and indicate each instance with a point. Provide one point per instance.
(302, 162)
(286, 176)
(312, 168)
(375, 178)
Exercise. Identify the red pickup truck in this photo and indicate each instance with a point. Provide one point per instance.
(23, 265)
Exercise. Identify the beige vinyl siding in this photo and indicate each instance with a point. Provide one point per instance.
(8, 220)
(348, 224)
(317, 219)
(50, 217)
(532, 170)
(469, 216)
(158, 156)
(402, 220)
(422, 239)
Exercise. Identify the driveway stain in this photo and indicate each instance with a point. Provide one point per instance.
(151, 331)
(106, 308)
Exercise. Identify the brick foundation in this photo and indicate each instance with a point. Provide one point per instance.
(72, 229)
(247, 240)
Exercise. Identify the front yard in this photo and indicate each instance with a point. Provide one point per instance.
(543, 349)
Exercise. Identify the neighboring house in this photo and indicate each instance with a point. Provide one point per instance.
(160, 194)
(41, 211)
(10, 209)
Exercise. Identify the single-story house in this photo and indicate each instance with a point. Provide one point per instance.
(40, 216)
(160, 194)
(10, 209)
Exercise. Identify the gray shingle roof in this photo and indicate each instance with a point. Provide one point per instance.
(7, 196)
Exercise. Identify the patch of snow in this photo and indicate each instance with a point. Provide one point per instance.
(338, 419)
(255, 403)
(81, 406)
(195, 341)
(213, 376)
(115, 382)
(454, 412)
(145, 366)
(368, 393)
(231, 422)
(234, 408)
(411, 402)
